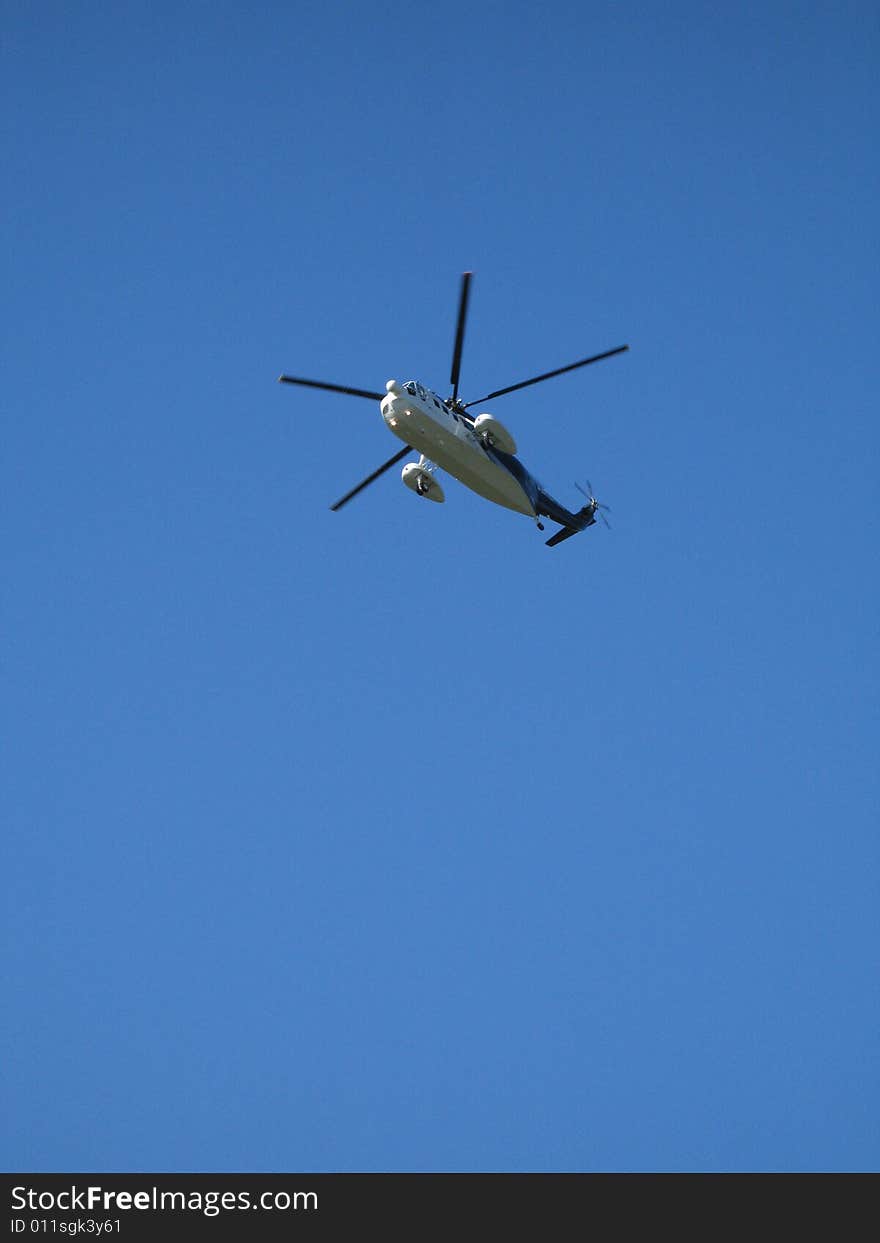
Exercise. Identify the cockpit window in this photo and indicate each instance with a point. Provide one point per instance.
(410, 387)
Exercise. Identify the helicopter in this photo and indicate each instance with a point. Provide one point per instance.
(478, 450)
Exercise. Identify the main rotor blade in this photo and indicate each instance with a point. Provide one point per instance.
(548, 375)
(333, 388)
(370, 478)
(459, 331)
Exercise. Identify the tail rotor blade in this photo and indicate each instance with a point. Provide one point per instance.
(598, 506)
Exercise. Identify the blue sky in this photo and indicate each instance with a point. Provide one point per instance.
(392, 839)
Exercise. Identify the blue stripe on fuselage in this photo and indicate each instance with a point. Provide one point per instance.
(542, 502)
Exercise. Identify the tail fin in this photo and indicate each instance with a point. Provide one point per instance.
(584, 518)
(561, 534)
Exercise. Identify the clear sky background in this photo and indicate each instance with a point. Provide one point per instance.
(392, 839)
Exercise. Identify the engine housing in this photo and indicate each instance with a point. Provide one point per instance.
(493, 432)
(422, 482)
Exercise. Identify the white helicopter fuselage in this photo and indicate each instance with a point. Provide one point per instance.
(422, 420)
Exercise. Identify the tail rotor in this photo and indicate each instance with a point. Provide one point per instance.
(593, 505)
